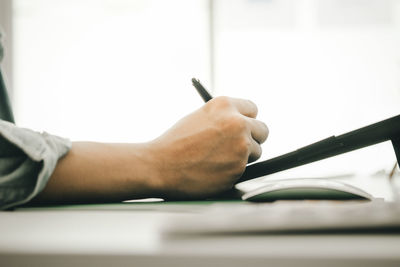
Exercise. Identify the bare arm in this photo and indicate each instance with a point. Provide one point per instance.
(200, 156)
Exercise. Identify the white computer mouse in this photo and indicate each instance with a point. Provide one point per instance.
(305, 188)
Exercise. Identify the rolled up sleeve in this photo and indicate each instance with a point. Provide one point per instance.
(27, 160)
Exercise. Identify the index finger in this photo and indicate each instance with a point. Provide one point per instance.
(245, 107)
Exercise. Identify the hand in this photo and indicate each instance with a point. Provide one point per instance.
(207, 151)
(201, 156)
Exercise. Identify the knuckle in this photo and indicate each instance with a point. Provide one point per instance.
(254, 107)
(266, 132)
(266, 129)
(237, 123)
(219, 105)
(243, 147)
(256, 154)
(222, 102)
(233, 125)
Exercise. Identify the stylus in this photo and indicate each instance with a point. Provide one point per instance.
(201, 90)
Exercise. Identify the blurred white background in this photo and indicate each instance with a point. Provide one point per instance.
(120, 70)
(107, 70)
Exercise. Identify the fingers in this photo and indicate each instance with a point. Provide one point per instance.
(245, 107)
(255, 131)
(259, 133)
(255, 151)
(259, 130)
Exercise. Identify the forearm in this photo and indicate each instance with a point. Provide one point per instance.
(98, 172)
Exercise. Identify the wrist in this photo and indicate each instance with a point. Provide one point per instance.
(159, 178)
(139, 174)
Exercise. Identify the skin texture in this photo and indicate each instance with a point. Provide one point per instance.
(201, 156)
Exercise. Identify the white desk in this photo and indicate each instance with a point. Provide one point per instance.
(130, 235)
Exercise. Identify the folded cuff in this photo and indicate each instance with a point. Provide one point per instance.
(27, 160)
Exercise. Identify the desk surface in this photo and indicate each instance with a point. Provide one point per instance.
(131, 234)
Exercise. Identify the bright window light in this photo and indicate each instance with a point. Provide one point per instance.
(315, 69)
(107, 70)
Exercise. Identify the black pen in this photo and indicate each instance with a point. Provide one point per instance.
(201, 90)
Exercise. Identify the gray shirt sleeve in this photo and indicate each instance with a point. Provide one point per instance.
(27, 160)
